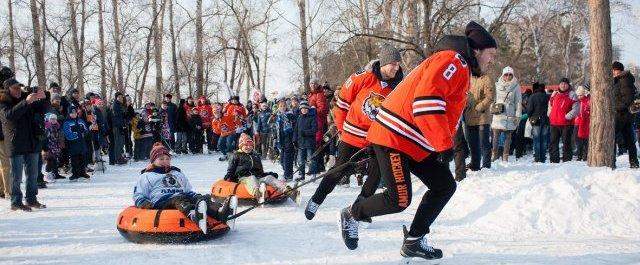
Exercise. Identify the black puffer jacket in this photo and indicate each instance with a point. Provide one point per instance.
(182, 123)
(22, 123)
(242, 164)
(305, 130)
(537, 106)
(625, 91)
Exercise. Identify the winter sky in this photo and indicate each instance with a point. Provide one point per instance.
(283, 70)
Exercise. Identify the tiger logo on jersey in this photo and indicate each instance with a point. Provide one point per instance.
(371, 104)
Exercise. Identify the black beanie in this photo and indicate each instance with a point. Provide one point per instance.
(565, 80)
(618, 66)
(479, 38)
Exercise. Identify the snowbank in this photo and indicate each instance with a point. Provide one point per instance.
(514, 213)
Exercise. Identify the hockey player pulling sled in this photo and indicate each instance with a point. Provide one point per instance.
(413, 134)
(356, 107)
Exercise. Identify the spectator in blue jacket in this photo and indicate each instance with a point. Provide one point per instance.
(284, 140)
(74, 131)
(264, 118)
(305, 137)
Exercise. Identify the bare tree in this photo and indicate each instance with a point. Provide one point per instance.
(117, 38)
(157, 45)
(303, 44)
(77, 49)
(601, 151)
(39, 54)
(103, 67)
(12, 41)
(199, 55)
(174, 58)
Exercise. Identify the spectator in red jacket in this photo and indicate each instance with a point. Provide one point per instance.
(318, 100)
(206, 112)
(563, 109)
(236, 109)
(582, 122)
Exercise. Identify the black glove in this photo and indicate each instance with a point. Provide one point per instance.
(275, 175)
(361, 167)
(77, 129)
(146, 205)
(445, 156)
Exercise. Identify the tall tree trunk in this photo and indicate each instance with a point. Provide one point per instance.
(12, 40)
(117, 39)
(601, 145)
(387, 9)
(199, 51)
(157, 46)
(303, 45)
(174, 58)
(43, 8)
(79, 79)
(234, 63)
(145, 67)
(103, 67)
(42, 82)
(263, 86)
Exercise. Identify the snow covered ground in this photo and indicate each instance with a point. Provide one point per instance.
(515, 213)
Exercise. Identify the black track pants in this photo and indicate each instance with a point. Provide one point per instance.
(395, 170)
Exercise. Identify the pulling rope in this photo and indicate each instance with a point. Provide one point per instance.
(352, 162)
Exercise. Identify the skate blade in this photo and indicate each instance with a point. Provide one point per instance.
(233, 203)
(365, 225)
(298, 194)
(202, 210)
(415, 260)
(263, 192)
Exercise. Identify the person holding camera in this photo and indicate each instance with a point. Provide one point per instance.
(75, 130)
(21, 131)
(506, 112)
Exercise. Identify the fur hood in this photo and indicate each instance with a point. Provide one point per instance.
(5, 96)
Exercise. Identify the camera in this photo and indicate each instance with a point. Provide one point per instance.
(31, 89)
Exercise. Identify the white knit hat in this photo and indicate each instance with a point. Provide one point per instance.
(507, 70)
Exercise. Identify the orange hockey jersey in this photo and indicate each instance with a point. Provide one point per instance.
(358, 102)
(224, 126)
(422, 114)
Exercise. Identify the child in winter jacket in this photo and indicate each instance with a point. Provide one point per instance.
(142, 136)
(53, 147)
(284, 138)
(582, 122)
(226, 142)
(263, 130)
(162, 186)
(195, 144)
(305, 138)
(74, 132)
(245, 167)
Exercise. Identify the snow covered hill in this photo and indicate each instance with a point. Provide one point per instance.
(515, 213)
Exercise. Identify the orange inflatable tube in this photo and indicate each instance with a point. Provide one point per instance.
(164, 226)
(223, 189)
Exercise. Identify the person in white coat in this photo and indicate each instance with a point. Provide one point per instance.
(506, 110)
